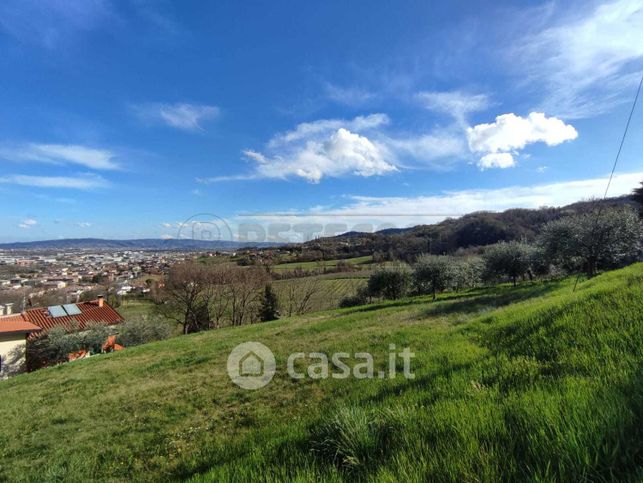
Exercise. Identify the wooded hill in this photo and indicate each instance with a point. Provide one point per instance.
(452, 235)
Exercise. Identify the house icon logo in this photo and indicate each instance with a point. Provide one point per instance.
(251, 365)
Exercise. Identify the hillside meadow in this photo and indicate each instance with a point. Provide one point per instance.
(527, 383)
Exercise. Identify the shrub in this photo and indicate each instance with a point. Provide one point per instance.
(141, 331)
(390, 282)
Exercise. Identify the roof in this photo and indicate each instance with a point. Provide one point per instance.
(15, 324)
(40, 318)
(89, 312)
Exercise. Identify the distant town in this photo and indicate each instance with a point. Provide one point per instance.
(30, 278)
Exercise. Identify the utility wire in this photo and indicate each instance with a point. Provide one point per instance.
(618, 155)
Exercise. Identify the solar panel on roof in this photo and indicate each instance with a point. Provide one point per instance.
(72, 309)
(56, 311)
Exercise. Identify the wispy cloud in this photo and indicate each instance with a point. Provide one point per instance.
(498, 141)
(349, 96)
(81, 182)
(457, 104)
(28, 223)
(48, 23)
(588, 61)
(184, 116)
(99, 159)
(371, 212)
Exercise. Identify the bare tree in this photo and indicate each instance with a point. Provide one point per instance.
(185, 297)
(245, 292)
(296, 295)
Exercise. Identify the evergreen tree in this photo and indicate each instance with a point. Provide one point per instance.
(269, 309)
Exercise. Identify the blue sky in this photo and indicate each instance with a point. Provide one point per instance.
(122, 119)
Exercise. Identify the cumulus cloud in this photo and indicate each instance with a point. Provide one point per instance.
(336, 147)
(308, 130)
(342, 153)
(99, 159)
(184, 116)
(81, 182)
(588, 61)
(498, 141)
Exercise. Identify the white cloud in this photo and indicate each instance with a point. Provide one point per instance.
(364, 213)
(83, 182)
(336, 147)
(83, 224)
(308, 130)
(510, 133)
(427, 148)
(496, 160)
(100, 159)
(342, 153)
(589, 61)
(188, 117)
(454, 103)
(28, 223)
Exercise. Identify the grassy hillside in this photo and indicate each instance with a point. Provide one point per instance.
(528, 383)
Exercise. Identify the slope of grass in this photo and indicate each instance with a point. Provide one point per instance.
(533, 383)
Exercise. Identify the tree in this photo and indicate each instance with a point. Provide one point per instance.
(510, 259)
(467, 272)
(185, 300)
(296, 296)
(269, 305)
(433, 273)
(637, 195)
(601, 239)
(390, 282)
(244, 291)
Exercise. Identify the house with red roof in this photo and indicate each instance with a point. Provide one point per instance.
(16, 329)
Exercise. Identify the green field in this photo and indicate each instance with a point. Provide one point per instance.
(527, 383)
(330, 290)
(134, 308)
(358, 261)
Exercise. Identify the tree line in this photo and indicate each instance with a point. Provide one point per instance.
(588, 242)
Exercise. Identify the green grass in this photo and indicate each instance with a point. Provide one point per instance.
(358, 261)
(330, 290)
(135, 308)
(532, 383)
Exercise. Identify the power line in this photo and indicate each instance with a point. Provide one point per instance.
(618, 155)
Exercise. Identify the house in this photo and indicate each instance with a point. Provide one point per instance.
(14, 331)
(17, 329)
(73, 316)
